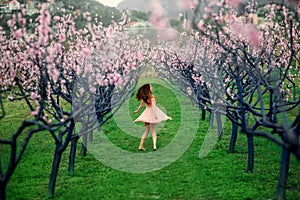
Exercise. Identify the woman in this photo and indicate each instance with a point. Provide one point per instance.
(151, 116)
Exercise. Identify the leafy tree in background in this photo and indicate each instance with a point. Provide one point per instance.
(139, 16)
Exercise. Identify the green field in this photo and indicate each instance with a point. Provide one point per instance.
(219, 175)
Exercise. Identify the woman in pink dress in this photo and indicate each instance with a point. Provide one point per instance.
(151, 116)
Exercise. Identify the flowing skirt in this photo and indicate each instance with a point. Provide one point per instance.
(153, 115)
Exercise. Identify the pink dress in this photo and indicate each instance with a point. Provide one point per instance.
(152, 114)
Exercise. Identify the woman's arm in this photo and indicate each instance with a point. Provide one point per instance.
(140, 107)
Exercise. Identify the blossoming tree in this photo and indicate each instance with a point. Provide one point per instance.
(68, 75)
(267, 56)
(251, 71)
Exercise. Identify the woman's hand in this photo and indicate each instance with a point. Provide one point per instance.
(139, 108)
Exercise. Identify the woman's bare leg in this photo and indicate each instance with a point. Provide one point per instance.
(154, 136)
(147, 130)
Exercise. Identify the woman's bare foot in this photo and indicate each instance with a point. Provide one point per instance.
(142, 149)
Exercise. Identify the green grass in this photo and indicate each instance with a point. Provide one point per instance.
(219, 175)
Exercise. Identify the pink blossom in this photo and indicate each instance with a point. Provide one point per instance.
(15, 3)
(11, 22)
(132, 65)
(249, 31)
(51, 52)
(46, 17)
(23, 10)
(62, 37)
(100, 82)
(157, 17)
(138, 55)
(51, 1)
(93, 90)
(205, 16)
(200, 24)
(56, 18)
(21, 20)
(45, 118)
(19, 33)
(59, 48)
(186, 25)
(119, 82)
(34, 95)
(86, 15)
(111, 81)
(110, 76)
(116, 77)
(35, 113)
(254, 36)
(54, 74)
(89, 68)
(31, 52)
(86, 51)
(234, 3)
(159, 21)
(207, 9)
(106, 82)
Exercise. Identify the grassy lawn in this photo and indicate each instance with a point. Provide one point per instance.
(219, 175)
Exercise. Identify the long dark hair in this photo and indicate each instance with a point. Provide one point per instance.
(144, 93)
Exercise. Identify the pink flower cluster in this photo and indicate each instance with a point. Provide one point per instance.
(249, 32)
(234, 3)
(157, 17)
(55, 52)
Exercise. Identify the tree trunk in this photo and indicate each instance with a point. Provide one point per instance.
(54, 172)
(250, 152)
(90, 136)
(72, 155)
(233, 137)
(219, 124)
(84, 145)
(2, 191)
(284, 168)
(203, 116)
